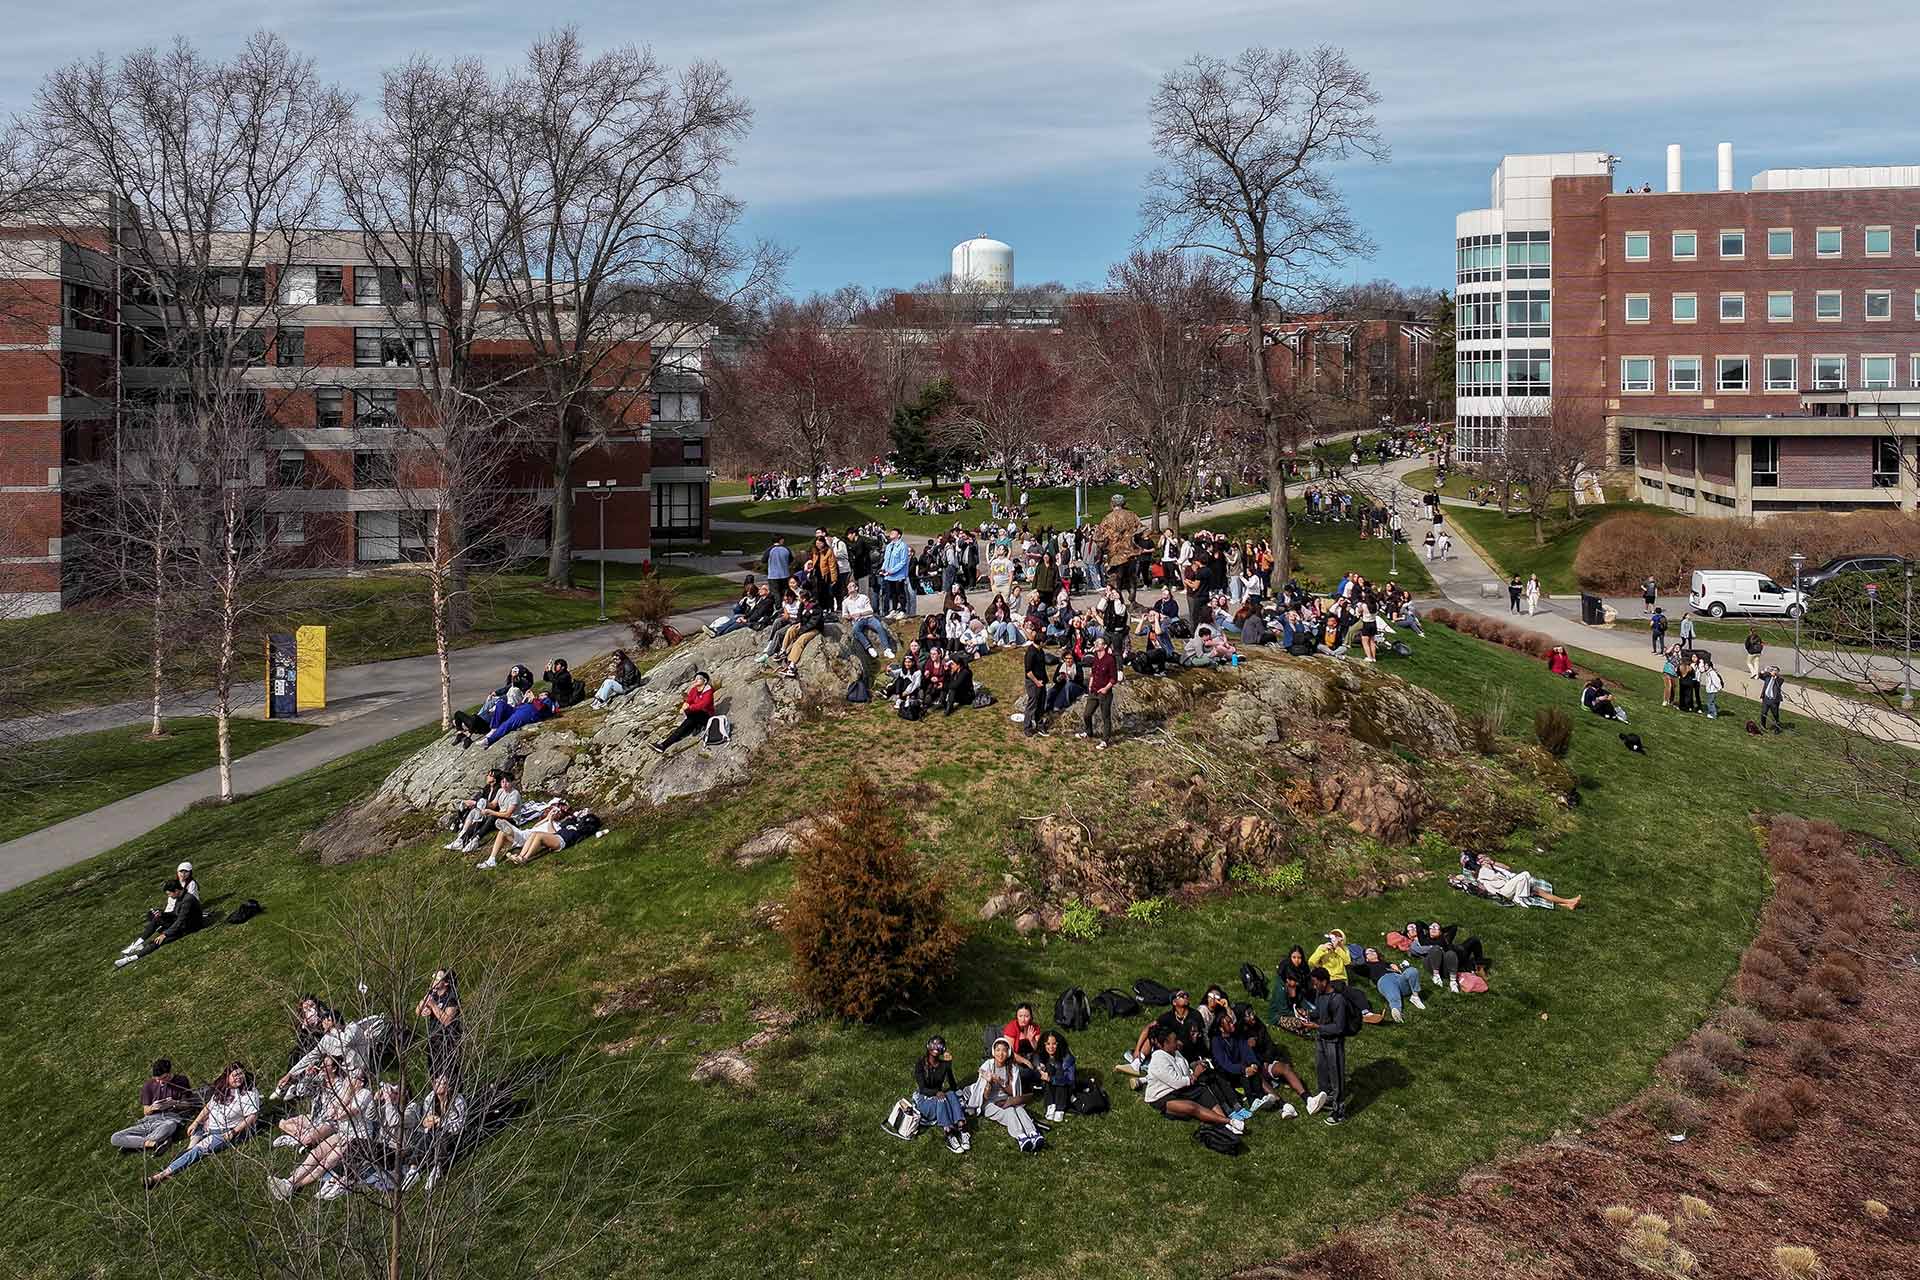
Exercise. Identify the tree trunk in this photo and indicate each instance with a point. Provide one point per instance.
(1539, 523)
(1573, 495)
(441, 628)
(560, 546)
(459, 579)
(159, 647)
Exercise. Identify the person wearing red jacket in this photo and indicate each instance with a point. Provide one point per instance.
(1100, 686)
(696, 709)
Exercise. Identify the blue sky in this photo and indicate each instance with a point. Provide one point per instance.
(886, 132)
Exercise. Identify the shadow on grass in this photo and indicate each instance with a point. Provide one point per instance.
(1375, 1080)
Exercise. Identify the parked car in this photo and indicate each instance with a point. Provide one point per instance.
(1812, 579)
(1719, 592)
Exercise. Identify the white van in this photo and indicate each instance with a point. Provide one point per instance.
(1720, 592)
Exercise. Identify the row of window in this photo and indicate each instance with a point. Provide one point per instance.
(1519, 373)
(1828, 306)
(1524, 255)
(372, 348)
(1828, 242)
(1766, 465)
(1780, 373)
(299, 286)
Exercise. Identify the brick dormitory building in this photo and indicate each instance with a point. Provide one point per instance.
(1751, 351)
(338, 378)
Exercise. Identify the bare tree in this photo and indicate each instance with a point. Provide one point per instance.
(601, 226)
(1150, 347)
(1548, 445)
(1246, 149)
(1012, 392)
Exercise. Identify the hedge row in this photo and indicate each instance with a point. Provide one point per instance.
(1619, 553)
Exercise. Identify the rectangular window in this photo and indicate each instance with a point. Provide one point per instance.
(693, 451)
(1733, 308)
(329, 406)
(366, 287)
(1766, 462)
(372, 469)
(290, 348)
(1879, 242)
(1639, 308)
(1683, 375)
(249, 347)
(298, 286)
(1829, 373)
(290, 529)
(677, 507)
(1686, 308)
(1529, 315)
(1780, 306)
(1639, 246)
(1733, 244)
(1686, 246)
(391, 348)
(291, 470)
(1731, 373)
(1636, 373)
(1529, 256)
(1826, 304)
(1886, 462)
(1529, 373)
(1879, 304)
(376, 407)
(1780, 242)
(1876, 372)
(246, 285)
(1783, 373)
(1826, 242)
(1913, 372)
(328, 288)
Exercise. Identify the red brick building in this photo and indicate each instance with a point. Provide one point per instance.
(1752, 351)
(339, 378)
(1381, 366)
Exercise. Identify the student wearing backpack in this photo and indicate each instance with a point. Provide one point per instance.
(1053, 1063)
(1336, 1016)
(1183, 1092)
(937, 1098)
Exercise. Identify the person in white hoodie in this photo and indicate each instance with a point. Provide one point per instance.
(1176, 1090)
(858, 611)
(1002, 1102)
(1711, 683)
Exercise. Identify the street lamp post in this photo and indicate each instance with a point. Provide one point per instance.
(1906, 626)
(600, 491)
(1799, 608)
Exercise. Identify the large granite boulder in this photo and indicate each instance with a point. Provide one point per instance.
(606, 759)
(1280, 699)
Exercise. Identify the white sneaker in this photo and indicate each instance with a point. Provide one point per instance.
(1453, 985)
(331, 1189)
(284, 1141)
(1316, 1102)
(1236, 1125)
(279, 1188)
(889, 653)
(471, 845)
(488, 865)
(872, 652)
(433, 1177)
(1289, 1111)
(966, 1140)
(953, 1144)
(452, 844)
(1416, 1001)
(1397, 1015)
(133, 946)
(124, 961)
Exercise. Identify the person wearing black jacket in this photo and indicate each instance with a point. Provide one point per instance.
(181, 917)
(625, 678)
(1181, 1017)
(567, 691)
(1292, 986)
(937, 1098)
(1445, 955)
(1036, 682)
(1331, 1010)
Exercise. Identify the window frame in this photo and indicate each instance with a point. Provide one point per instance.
(329, 285)
(290, 469)
(1721, 242)
(1817, 383)
(1772, 473)
(1887, 477)
(1720, 386)
(1866, 305)
(1779, 231)
(1673, 246)
(1839, 306)
(1699, 376)
(290, 359)
(1646, 303)
(1727, 295)
(336, 396)
(1866, 243)
(1626, 246)
(375, 465)
(1913, 370)
(1893, 372)
(1766, 368)
(1628, 390)
(1674, 303)
(371, 401)
(290, 275)
(290, 529)
(1779, 293)
(1839, 249)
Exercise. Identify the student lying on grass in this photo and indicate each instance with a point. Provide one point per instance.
(559, 827)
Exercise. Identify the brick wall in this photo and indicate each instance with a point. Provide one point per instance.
(1834, 462)
(1716, 460)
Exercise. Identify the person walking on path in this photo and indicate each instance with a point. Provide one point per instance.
(1533, 594)
(1686, 632)
(1657, 628)
(1649, 592)
(1773, 691)
(1753, 646)
(1514, 591)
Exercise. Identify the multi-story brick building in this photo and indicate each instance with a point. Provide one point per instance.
(1381, 367)
(1752, 351)
(336, 367)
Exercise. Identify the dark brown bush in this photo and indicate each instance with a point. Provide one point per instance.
(1768, 1118)
(1533, 643)
(1838, 981)
(1807, 1056)
(1553, 730)
(1696, 1072)
(1791, 866)
(1719, 1048)
(1813, 1004)
(1782, 948)
(1672, 1112)
(1802, 1095)
(1442, 615)
(1795, 925)
(1769, 998)
(1764, 965)
(1749, 1026)
(1622, 550)
(1796, 896)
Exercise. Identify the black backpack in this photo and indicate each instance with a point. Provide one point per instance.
(1357, 1005)
(1217, 1137)
(1089, 1098)
(245, 911)
(987, 1037)
(982, 698)
(1254, 981)
(1302, 649)
(911, 711)
(1071, 1011)
(857, 691)
(1118, 1004)
(1152, 993)
(587, 824)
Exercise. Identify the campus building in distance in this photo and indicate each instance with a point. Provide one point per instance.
(81, 344)
(1751, 351)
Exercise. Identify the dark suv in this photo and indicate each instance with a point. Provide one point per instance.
(1813, 579)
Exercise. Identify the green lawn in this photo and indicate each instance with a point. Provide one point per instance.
(1327, 551)
(81, 772)
(92, 655)
(1045, 507)
(1507, 541)
(1582, 1007)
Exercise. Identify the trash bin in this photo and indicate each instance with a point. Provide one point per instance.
(1593, 611)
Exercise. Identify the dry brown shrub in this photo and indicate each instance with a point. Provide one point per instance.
(1696, 1072)
(1764, 965)
(1769, 998)
(1617, 553)
(1838, 981)
(1749, 1026)
(1672, 1112)
(1797, 926)
(1782, 948)
(1797, 896)
(1813, 1004)
(1796, 1262)
(1694, 1209)
(1802, 1095)
(1719, 1048)
(1791, 866)
(1807, 1055)
(1850, 921)
(1442, 615)
(1535, 644)
(1617, 1214)
(1768, 1118)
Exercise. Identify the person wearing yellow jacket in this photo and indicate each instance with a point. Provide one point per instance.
(1331, 955)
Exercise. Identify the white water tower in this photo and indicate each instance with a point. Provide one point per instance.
(981, 265)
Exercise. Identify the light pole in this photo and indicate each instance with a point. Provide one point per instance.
(1798, 608)
(1906, 626)
(600, 491)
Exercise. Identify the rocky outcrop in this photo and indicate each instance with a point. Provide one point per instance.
(606, 759)
(1280, 699)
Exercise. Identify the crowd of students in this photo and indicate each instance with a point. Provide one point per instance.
(515, 704)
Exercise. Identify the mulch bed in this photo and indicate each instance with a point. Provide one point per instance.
(1839, 970)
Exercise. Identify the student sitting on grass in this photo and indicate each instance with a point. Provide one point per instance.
(937, 1098)
(181, 917)
(1331, 955)
(558, 828)
(1397, 983)
(1180, 1018)
(1595, 698)
(566, 691)
(500, 802)
(166, 1100)
(1276, 1068)
(1001, 1100)
(1292, 987)
(1559, 663)
(229, 1115)
(436, 1127)
(346, 1122)
(1180, 1091)
(1023, 1033)
(1053, 1064)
